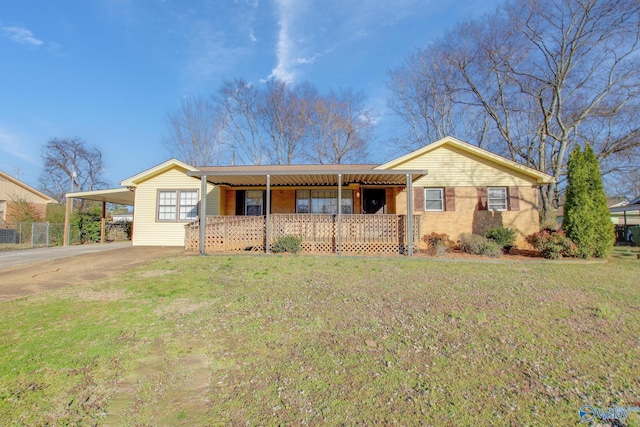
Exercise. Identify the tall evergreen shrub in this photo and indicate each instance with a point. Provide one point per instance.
(586, 215)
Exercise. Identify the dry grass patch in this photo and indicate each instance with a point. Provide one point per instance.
(296, 340)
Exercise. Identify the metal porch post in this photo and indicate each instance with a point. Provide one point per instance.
(409, 216)
(203, 214)
(339, 240)
(267, 224)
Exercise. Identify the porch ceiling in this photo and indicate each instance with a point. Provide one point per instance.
(323, 175)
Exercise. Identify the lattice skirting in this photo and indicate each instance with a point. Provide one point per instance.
(362, 234)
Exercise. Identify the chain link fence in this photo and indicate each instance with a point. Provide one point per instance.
(44, 234)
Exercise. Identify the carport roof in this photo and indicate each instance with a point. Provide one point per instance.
(121, 196)
(625, 208)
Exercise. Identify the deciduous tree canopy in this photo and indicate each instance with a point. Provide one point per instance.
(275, 123)
(70, 165)
(531, 82)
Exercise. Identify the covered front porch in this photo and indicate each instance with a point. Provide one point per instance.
(355, 234)
(354, 228)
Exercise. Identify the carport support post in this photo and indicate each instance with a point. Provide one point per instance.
(203, 214)
(267, 225)
(103, 222)
(409, 216)
(67, 219)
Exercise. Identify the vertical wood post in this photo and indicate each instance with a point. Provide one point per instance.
(267, 234)
(67, 221)
(203, 214)
(339, 240)
(409, 216)
(103, 222)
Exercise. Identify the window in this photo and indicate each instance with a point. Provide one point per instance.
(323, 201)
(177, 205)
(433, 199)
(3, 205)
(253, 202)
(497, 198)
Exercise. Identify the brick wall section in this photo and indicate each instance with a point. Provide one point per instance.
(468, 219)
(229, 202)
(283, 201)
(39, 209)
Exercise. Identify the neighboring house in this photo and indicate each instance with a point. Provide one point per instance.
(625, 213)
(454, 188)
(128, 217)
(14, 191)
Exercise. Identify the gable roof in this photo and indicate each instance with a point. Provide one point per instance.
(541, 177)
(156, 170)
(28, 188)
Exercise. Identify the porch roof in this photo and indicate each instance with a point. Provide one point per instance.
(290, 175)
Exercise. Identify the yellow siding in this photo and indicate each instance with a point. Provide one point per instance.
(9, 191)
(451, 167)
(149, 232)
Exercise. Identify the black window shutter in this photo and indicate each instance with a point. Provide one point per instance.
(239, 202)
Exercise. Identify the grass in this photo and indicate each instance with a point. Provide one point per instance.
(295, 340)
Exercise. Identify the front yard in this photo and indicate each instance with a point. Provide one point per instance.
(301, 340)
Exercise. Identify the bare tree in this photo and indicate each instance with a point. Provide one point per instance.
(549, 74)
(195, 132)
(282, 114)
(340, 128)
(70, 165)
(239, 103)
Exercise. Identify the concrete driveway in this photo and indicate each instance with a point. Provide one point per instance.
(32, 271)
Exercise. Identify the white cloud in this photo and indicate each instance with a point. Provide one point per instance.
(21, 35)
(286, 15)
(309, 30)
(9, 144)
(210, 52)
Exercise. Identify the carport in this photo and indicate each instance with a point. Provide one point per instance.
(624, 209)
(120, 196)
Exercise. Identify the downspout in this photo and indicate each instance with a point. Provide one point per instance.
(203, 214)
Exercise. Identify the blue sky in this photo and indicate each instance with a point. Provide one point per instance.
(108, 71)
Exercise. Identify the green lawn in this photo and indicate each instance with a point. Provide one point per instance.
(293, 340)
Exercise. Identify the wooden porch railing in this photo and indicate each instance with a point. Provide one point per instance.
(361, 234)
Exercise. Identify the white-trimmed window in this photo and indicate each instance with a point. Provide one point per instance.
(434, 199)
(323, 201)
(253, 202)
(497, 198)
(177, 205)
(3, 208)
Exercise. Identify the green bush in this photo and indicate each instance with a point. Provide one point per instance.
(288, 243)
(437, 244)
(88, 221)
(479, 245)
(503, 236)
(553, 244)
(586, 215)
